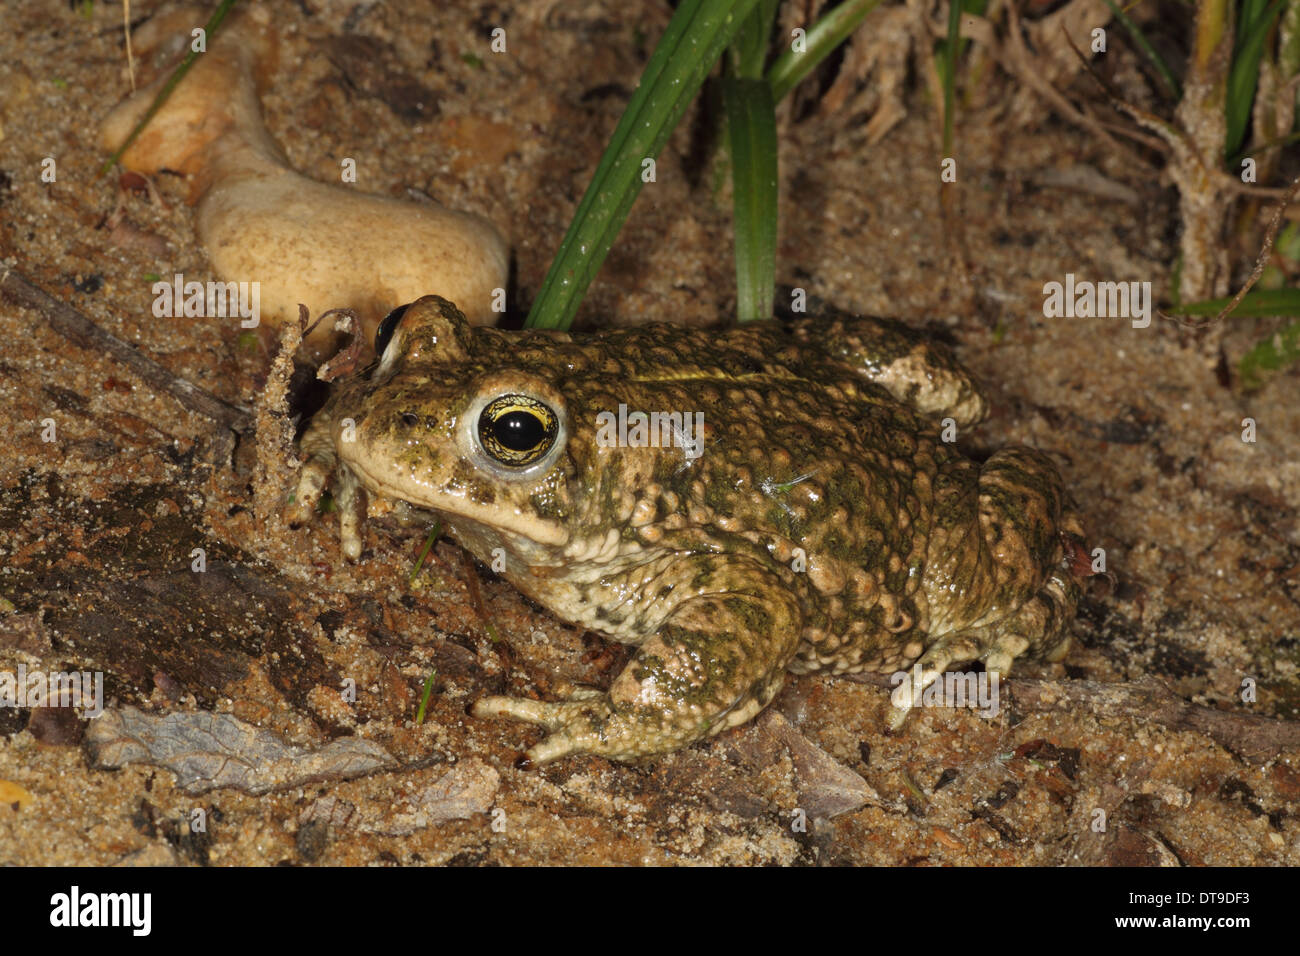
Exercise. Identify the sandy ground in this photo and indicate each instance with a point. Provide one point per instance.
(98, 528)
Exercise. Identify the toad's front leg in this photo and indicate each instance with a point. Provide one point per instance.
(716, 662)
(321, 466)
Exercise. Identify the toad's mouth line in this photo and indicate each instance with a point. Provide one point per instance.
(453, 507)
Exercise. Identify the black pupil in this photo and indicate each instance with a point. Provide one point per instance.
(519, 431)
(384, 334)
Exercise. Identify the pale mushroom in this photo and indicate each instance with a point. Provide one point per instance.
(324, 245)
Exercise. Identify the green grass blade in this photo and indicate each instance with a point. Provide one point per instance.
(948, 71)
(424, 553)
(424, 697)
(751, 122)
(790, 68)
(1255, 148)
(1243, 75)
(696, 36)
(749, 49)
(1269, 355)
(1255, 303)
(178, 74)
(947, 52)
(1157, 61)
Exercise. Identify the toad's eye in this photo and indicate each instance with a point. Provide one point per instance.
(384, 334)
(517, 430)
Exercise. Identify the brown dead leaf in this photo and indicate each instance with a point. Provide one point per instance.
(826, 787)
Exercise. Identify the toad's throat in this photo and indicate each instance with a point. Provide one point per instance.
(524, 534)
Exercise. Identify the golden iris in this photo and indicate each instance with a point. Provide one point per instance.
(517, 429)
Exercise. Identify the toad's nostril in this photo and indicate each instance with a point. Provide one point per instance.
(410, 420)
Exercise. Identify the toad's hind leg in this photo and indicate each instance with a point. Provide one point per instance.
(1041, 623)
(1030, 596)
(716, 662)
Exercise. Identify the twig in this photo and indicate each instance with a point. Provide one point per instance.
(1025, 68)
(72, 325)
(1170, 135)
(1261, 260)
(126, 29)
(1250, 736)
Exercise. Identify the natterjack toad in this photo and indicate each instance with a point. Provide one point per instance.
(801, 512)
